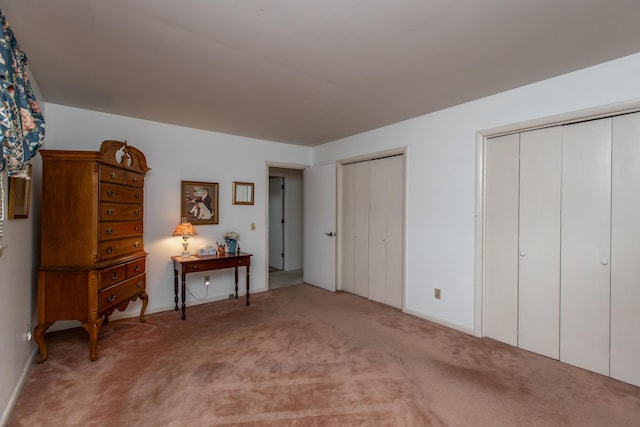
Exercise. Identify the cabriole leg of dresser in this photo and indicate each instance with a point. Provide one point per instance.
(93, 328)
(38, 336)
(145, 300)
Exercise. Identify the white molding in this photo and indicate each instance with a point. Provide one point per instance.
(439, 321)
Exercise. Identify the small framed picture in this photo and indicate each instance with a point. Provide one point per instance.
(20, 197)
(243, 193)
(199, 202)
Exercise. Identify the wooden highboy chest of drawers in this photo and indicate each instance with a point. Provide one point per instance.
(92, 250)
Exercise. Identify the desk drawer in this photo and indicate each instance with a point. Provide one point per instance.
(216, 264)
(114, 295)
(111, 174)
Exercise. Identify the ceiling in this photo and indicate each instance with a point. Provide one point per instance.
(306, 71)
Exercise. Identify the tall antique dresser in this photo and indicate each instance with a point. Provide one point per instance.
(92, 252)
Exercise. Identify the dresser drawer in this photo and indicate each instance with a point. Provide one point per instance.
(114, 295)
(115, 248)
(120, 193)
(135, 267)
(113, 275)
(118, 230)
(134, 179)
(119, 212)
(111, 174)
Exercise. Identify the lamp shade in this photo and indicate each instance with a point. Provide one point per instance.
(185, 229)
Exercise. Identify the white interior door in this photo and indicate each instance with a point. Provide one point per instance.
(586, 242)
(625, 250)
(276, 217)
(319, 210)
(501, 239)
(539, 242)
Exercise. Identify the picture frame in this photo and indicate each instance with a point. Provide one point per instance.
(19, 196)
(243, 193)
(199, 202)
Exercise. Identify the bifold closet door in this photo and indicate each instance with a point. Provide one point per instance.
(501, 238)
(386, 230)
(539, 242)
(625, 250)
(354, 236)
(585, 251)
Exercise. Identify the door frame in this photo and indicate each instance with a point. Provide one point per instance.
(268, 165)
(481, 138)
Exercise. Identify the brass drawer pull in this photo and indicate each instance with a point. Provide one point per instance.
(137, 228)
(110, 193)
(114, 175)
(109, 231)
(140, 283)
(195, 267)
(135, 180)
(110, 212)
(136, 268)
(137, 212)
(137, 196)
(111, 298)
(136, 244)
(109, 249)
(114, 276)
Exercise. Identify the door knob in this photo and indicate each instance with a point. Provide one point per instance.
(330, 234)
(523, 253)
(604, 262)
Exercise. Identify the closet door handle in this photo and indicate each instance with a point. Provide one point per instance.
(523, 253)
(330, 234)
(604, 262)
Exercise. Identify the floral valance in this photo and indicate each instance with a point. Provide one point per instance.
(21, 121)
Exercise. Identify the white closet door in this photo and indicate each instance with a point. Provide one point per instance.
(501, 239)
(355, 233)
(585, 252)
(539, 266)
(625, 250)
(385, 230)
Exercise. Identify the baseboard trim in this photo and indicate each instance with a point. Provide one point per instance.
(440, 321)
(18, 388)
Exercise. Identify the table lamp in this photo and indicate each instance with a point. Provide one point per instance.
(186, 230)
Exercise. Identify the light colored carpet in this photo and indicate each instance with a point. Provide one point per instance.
(280, 279)
(301, 356)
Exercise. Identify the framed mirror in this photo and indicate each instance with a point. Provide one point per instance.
(243, 193)
(20, 197)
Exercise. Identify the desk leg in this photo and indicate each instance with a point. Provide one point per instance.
(184, 294)
(175, 287)
(247, 278)
(236, 282)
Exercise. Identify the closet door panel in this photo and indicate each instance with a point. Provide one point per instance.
(385, 231)
(347, 232)
(501, 239)
(585, 250)
(539, 266)
(355, 238)
(625, 250)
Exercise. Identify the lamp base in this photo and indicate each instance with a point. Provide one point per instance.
(186, 254)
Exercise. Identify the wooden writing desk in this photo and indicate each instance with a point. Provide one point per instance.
(182, 266)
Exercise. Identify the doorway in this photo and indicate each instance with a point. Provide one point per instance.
(285, 227)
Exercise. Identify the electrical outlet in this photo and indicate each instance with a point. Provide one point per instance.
(28, 334)
(437, 293)
(232, 296)
(206, 280)
(253, 226)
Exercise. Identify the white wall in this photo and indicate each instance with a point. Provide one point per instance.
(441, 177)
(176, 153)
